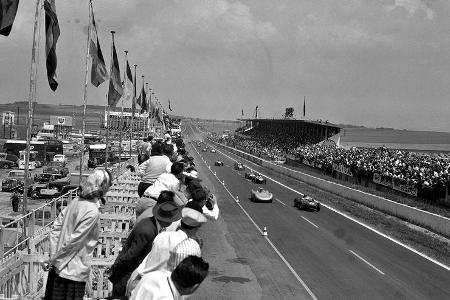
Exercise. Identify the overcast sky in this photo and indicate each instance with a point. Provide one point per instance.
(364, 62)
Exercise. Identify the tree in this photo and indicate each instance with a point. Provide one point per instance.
(289, 113)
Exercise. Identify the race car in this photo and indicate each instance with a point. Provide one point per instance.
(213, 150)
(261, 195)
(218, 163)
(306, 203)
(239, 166)
(250, 175)
(205, 150)
(259, 179)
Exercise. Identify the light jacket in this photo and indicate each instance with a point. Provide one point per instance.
(73, 238)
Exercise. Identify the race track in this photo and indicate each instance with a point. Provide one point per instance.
(335, 257)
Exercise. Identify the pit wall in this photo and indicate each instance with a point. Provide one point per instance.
(416, 216)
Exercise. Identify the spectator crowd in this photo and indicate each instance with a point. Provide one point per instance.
(162, 255)
(423, 171)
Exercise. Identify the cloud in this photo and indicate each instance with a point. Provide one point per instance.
(413, 6)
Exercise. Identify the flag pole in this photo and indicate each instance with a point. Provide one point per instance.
(107, 102)
(31, 99)
(141, 112)
(147, 127)
(133, 107)
(121, 113)
(83, 130)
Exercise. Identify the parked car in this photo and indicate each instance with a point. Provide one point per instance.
(60, 158)
(8, 161)
(307, 203)
(261, 195)
(46, 177)
(218, 163)
(15, 181)
(56, 167)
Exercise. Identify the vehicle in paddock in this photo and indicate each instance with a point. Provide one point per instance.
(218, 163)
(8, 161)
(60, 158)
(259, 179)
(261, 195)
(56, 167)
(239, 166)
(250, 175)
(306, 203)
(213, 150)
(15, 180)
(47, 177)
(51, 189)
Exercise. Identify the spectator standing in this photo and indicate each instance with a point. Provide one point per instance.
(73, 238)
(183, 281)
(139, 244)
(156, 165)
(191, 220)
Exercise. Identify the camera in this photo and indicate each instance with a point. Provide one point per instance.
(209, 204)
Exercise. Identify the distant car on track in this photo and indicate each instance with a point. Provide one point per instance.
(239, 166)
(218, 163)
(250, 175)
(306, 203)
(259, 179)
(205, 150)
(261, 195)
(213, 150)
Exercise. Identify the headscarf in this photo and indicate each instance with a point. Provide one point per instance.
(96, 185)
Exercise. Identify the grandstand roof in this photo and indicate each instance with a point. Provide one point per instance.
(290, 121)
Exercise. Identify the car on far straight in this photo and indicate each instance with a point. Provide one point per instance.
(60, 158)
(205, 149)
(250, 175)
(239, 166)
(261, 195)
(213, 150)
(218, 163)
(306, 203)
(259, 179)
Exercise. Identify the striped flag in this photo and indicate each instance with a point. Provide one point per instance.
(115, 84)
(8, 10)
(99, 73)
(128, 85)
(52, 34)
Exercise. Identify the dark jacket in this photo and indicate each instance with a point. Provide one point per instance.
(135, 249)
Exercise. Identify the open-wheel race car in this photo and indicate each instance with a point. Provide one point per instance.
(250, 175)
(258, 178)
(218, 163)
(205, 149)
(213, 150)
(261, 195)
(306, 203)
(239, 166)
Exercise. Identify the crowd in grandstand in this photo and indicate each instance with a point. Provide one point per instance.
(420, 170)
(161, 257)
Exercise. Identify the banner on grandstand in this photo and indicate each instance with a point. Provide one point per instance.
(307, 162)
(383, 180)
(342, 169)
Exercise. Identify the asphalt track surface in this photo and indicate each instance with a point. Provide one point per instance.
(335, 257)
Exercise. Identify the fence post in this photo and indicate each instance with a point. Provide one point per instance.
(2, 249)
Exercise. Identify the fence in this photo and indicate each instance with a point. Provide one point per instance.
(21, 273)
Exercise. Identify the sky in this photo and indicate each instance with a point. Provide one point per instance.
(383, 63)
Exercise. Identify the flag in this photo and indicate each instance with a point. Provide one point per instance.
(242, 113)
(304, 106)
(142, 101)
(99, 73)
(256, 112)
(8, 10)
(128, 84)
(170, 108)
(115, 85)
(51, 37)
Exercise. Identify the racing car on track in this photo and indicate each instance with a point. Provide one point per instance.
(259, 179)
(218, 163)
(249, 175)
(239, 166)
(205, 150)
(261, 195)
(307, 203)
(213, 150)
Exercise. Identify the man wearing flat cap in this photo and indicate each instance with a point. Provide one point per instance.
(139, 243)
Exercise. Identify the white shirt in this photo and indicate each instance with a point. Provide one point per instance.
(153, 167)
(156, 285)
(211, 214)
(165, 182)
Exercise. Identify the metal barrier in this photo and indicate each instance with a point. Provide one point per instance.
(21, 273)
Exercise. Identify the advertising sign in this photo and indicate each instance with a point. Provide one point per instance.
(61, 120)
(8, 118)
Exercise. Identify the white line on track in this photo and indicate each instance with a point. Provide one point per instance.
(356, 254)
(309, 222)
(299, 279)
(352, 219)
(276, 199)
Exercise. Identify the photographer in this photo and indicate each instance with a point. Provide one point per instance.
(208, 203)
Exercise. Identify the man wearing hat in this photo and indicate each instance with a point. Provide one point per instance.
(186, 272)
(191, 220)
(139, 243)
